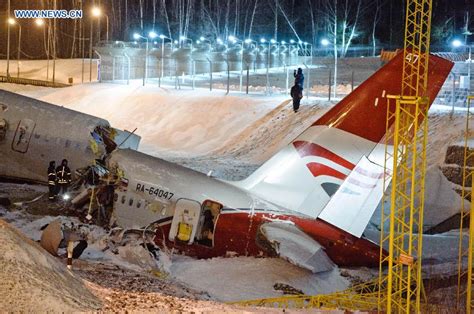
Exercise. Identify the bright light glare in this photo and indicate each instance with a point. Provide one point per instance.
(324, 42)
(283, 42)
(162, 36)
(292, 41)
(273, 41)
(198, 42)
(175, 41)
(136, 36)
(39, 22)
(248, 41)
(66, 197)
(152, 34)
(305, 43)
(232, 38)
(219, 40)
(456, 43)
(202, 38)
(96, 11)
(263, 40)
(300, 42)
(155, 42)
(11, 21)
(182, 37)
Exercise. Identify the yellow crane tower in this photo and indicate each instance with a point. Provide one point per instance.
(399, 286)
(400, 279)
(465, 287)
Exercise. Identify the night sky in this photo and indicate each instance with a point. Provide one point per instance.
(308, 20)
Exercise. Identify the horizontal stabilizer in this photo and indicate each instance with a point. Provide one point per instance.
(298, 248)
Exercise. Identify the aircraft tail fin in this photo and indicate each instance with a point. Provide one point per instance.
(339, 149)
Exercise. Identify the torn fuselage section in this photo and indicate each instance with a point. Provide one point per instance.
(287, 241)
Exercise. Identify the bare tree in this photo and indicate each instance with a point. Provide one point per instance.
(252, 18)
(377, 16)
(349, 24)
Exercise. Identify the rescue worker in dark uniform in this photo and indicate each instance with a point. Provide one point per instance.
(52, 178)
(64, 177)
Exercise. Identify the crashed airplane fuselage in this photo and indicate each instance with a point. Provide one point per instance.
(309, 204)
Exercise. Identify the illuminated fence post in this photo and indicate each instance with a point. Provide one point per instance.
(228, 75)
(210, 73)
(248, 79)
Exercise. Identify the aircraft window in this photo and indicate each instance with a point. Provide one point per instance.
(115, 197)
(123, 199)
(37, 135)
(67, 144)
(139, 204)
(130, 201)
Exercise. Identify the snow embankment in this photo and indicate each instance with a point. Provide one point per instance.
(31, 280)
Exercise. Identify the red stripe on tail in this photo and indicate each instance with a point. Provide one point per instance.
(318, 169)
(306, 149)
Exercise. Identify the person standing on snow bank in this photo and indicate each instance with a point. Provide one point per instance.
(299, 78)
(52, 178)
(64, 177)
(297, 89)
(296, 93)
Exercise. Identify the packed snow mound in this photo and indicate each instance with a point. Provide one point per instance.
(31, 280)
(441, 201)
(191, 121)
(247, 278)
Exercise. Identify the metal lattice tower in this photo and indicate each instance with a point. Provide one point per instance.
(466, 193)
(400, 279)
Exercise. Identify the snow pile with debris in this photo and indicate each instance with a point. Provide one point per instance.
(31, 280)
(247, 278)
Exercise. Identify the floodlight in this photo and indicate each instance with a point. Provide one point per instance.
(324, 42)
(96, 11)
(136, 36)
(456, 43)
(152, 34)
(263, 40)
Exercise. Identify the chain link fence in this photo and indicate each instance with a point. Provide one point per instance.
(256, 68)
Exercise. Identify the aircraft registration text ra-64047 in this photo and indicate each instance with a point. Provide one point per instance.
(154, 191)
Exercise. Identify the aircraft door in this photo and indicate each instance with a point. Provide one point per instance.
(185, 221)
(23, 133)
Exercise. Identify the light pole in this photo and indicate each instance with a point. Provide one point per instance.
(234, 41)
(97, 12)
(10, 22)
(137, 36)
(40, 23)
(19, 51)
(163, 37)
(152, 35)
(325, 42)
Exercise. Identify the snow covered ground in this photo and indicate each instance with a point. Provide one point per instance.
(232, 135)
